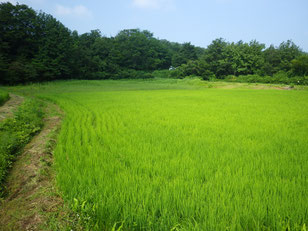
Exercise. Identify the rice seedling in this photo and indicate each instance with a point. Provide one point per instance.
(145, 155)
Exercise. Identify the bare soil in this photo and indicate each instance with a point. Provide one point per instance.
(8, 108)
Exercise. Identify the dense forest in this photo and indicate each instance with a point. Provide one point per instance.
(36, 47)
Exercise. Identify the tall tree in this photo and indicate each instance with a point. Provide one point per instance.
(299, 66)
(19, 35)
(54, 57)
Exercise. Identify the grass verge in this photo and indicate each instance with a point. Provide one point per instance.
(4, 96)
(17, 131)
(31, 201)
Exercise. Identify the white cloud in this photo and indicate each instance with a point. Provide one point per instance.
(36, 1)
(154, 4)
(27, 2)
(77, 11)
(11, 1)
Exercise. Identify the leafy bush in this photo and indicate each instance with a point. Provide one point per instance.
(161, 74)
(100, 75)
(4, 96)
(176, 74)
(17, 131)
(280, 77)
(248, 79)
(192, 77)
(299, 80)
(208, 75)
(132, 74)
(231, 78)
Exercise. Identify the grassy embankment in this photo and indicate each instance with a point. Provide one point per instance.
(17, 131)
(181, 155)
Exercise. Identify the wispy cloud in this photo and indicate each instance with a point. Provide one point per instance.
(27, 2)
(154, 4)
(38, 1)
(76, 11)
(11, 1)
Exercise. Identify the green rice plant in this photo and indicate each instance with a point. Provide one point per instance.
(169, 155)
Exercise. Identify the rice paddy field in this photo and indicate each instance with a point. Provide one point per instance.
(181, 155)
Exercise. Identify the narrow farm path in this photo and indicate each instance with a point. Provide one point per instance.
(31, 201)
(7, 109)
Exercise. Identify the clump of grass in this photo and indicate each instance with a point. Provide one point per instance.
(17, 131)
(4, 96)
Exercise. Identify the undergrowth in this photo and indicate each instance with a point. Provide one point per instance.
(4, 96)
(17, 131)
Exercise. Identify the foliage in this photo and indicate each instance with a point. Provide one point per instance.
(16, 132)
(4, 96)
(299, 66)
(279, 59)
(280, 78)
(239, 58)
(35, 47)
(248, 62)
(186, 53)
(161, 74)
(132, 74)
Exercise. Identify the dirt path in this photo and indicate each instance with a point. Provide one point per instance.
(31, 201)
(7, 109)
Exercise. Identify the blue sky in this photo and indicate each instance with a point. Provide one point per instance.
(195, 21)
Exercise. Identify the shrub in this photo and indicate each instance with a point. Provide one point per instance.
(161, 74)
(280, 77)
(267, 79)
(192, 77)
(208, 75)
(299, 80)
(231, 78)
(248, 78)
(176, 74)
(99, 75)
(132, 74)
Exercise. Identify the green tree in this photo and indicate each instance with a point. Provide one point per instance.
(139, 50)
(299, 66)
(245, 58)
(279, 59)
(54, 57)
(216, 55)
(288, 51)
(184, 53)
(19, 36)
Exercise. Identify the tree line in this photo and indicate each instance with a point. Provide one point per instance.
(251, 61)
(36, 47)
